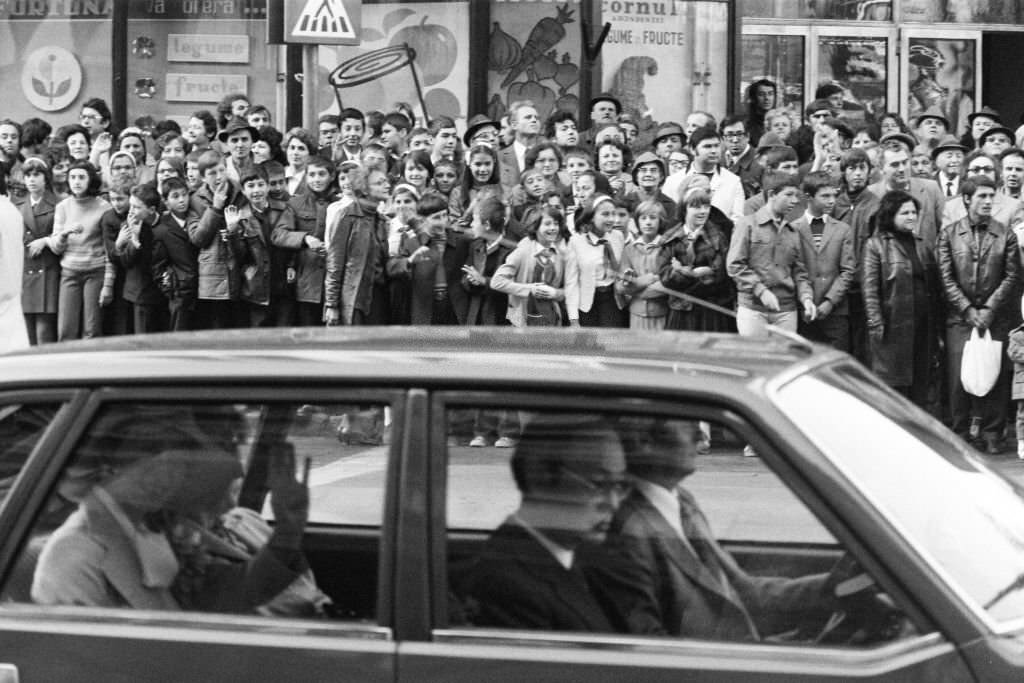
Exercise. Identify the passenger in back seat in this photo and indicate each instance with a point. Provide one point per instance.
(123, 546)
(570, 475)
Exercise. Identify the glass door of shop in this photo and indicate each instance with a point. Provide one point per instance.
(941, 69)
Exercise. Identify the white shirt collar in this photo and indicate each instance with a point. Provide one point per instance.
(665, 502)
(562, 555)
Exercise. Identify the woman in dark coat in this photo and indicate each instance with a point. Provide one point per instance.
(901, 294)
(41, 279)
(692, 261)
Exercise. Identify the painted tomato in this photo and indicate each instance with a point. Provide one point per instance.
(435, 46)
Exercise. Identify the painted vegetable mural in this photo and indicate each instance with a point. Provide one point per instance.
(433, 31)
(540, 68)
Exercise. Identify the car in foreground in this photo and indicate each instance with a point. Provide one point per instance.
(408, 435)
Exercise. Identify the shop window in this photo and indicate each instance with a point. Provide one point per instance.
(188, 55)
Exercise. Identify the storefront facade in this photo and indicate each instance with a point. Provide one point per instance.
(890, 55)
(663, 59)
(167, 58)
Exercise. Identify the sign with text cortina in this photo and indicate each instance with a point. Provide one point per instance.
(323, 22)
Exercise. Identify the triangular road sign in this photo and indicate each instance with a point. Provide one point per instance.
(325, 21)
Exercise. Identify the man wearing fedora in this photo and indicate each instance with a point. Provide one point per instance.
(977, 123)
(481, 130)
(668, 138)
(237, 139)
(930, 126)
(947, 158)
(996, 140)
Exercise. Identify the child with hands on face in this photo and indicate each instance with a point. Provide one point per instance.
(134, 249)
(429, 259)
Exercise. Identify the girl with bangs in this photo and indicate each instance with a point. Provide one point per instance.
(595, 254)
(534, 275)
(78, 239)
(639, 269)
(482, 175)
(692, 261)
(418, 171)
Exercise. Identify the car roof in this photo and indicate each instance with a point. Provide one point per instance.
(466, 356)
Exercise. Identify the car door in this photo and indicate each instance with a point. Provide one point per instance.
(333, 621)
(504, 610)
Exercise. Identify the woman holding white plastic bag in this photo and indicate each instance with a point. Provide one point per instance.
(13, 334)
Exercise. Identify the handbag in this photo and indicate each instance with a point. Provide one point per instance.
(980, 363)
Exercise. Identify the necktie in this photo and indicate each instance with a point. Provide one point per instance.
(700, 542)
(817, 231)
(949, 188)
(610, 262)
(691, 248)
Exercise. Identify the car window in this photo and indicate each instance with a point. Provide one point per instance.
(201, 506)
(645, 524)
(882, 443)
(21, 427)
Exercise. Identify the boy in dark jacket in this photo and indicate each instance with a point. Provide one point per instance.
(175, 259)
(263, 265)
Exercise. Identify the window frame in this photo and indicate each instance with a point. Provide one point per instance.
(80, 414)
(741, 419)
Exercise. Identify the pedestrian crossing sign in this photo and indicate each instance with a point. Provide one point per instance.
(324, 22)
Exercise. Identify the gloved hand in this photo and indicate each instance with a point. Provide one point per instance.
(289, 500)
(973, 318)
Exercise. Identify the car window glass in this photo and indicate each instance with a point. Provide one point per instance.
(646, 525)
(21, 427)
(882, 443)
(201, 507)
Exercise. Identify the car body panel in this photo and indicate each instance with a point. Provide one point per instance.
(416, 371)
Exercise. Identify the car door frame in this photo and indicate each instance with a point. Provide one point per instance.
(272, 642)
(434, 653)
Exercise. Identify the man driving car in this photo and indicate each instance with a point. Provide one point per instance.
(682, 582)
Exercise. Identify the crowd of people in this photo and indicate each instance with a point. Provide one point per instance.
(886, 239)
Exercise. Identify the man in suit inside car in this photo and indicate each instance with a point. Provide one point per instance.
(687, 584)
(570, 474)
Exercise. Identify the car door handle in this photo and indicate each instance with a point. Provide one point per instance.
(8, 673)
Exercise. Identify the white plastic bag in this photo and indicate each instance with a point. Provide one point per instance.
(979, 368)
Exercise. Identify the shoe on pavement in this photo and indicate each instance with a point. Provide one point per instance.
(504, 442)
(478, 442)
(749, 452)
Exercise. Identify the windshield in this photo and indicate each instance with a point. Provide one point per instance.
(967, 521)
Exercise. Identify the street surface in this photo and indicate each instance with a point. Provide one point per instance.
(741, 497)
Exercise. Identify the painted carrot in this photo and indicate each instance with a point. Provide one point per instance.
(544, 36)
